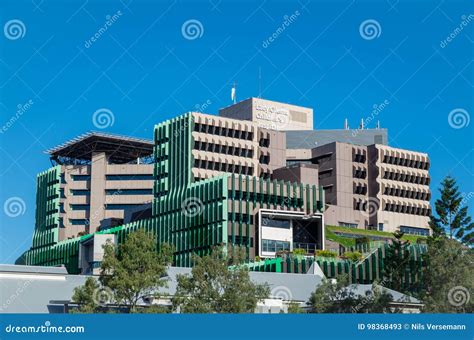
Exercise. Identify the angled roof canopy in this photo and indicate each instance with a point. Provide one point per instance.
(120, 149)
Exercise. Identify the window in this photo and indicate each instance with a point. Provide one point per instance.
(346, 224)
(121, 206)
(78, 221)
(81, 177)
(273, 223)
(414, 230)
(79, 192)
(275, 246)
(129, 191)
(129, 177)
(79, 206)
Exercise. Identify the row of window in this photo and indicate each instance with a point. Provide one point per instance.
(407, 209)
(396, 176)
(224, 167)
(137, 177)
(415, 230)
(398, 208)
(224, 149)
(86, 207)
(85, 192)
(79, 221)
(259, 197)
(347, 224)
(407, 193)
(223, 131)
(240, 217)
(406, 162)
(275, 246)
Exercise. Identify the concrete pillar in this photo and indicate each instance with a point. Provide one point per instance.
(97, 197)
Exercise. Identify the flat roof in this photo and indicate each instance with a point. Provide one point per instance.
(121, 149)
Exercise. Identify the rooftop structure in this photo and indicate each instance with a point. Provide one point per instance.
(270, 114)
(119, 149)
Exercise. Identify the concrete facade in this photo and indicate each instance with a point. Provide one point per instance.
(223, 145)
(315, 138)
(375, 187)
(96, 179)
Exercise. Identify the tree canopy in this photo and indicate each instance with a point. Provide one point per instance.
(213, 287)
(449, 277)
(130, 272)
(452, 212)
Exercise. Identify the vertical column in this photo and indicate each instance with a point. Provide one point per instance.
(97, 197)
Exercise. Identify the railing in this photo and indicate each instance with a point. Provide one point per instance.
(310, 248)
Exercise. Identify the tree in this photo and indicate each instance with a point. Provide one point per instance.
(452, 215)
(213, 287)
(449, 277)
(135, 270)
(295, 308)
(84, 296)
(331, 297)
(339, 297)
(396, 263)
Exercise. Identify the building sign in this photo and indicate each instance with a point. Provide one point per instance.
(271, 116)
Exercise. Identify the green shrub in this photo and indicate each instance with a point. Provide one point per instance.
(326, 253)
(353, 256)
(299, 251)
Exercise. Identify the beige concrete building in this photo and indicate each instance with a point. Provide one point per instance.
(270, 114)
(373, 187)
(101, 177)
(399, 184)
(237, 146)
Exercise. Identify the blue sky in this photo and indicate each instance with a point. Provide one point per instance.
(144, 69)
